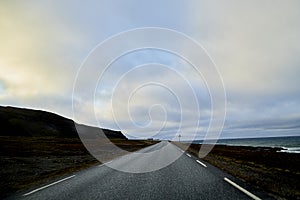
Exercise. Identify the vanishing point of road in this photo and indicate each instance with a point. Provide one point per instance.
(186, 178)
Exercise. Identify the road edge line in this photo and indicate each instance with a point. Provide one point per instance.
(198, 161)
(241, 189)
(41, 188)
(105, 163)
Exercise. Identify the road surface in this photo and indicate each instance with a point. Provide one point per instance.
(186, 178)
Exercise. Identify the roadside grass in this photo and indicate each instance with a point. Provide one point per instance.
(32, 161)
(277, 173)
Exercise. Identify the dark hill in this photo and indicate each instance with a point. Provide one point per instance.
(36, 123)
(38, 147)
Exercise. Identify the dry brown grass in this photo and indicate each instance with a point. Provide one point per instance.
(275, 172)
(30, 161)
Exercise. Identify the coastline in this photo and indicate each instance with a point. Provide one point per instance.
(277, 173)
(40, 159)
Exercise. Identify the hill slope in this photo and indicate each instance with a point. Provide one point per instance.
(36, 147)
(27, 122)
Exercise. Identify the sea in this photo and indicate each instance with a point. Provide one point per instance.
(290, 144)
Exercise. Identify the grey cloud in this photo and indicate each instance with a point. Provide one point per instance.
(254, 44)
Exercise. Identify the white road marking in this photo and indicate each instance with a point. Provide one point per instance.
(33, 191)
(105, 163)
(242, 189)
(188, 155)
(182, 151)
(204, 165)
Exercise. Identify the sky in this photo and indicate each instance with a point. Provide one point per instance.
(254, 45)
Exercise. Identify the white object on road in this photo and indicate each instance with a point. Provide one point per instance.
(188, 155)
(33, 191)
(242, 189)
(201, 163)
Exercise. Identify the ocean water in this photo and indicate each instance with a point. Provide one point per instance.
(289, 144)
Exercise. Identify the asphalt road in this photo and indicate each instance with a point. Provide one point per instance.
(183, 179)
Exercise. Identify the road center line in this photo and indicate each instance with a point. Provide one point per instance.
(188, 155)
(201, 163)
(33, 191)
(241, 189)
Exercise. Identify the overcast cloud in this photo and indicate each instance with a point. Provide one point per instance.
(255, 45)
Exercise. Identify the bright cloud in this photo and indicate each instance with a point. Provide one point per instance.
(255, 45)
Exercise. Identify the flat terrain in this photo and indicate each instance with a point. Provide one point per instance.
(277, 173)
(30, 161)
(184, 178)
(37, 147)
